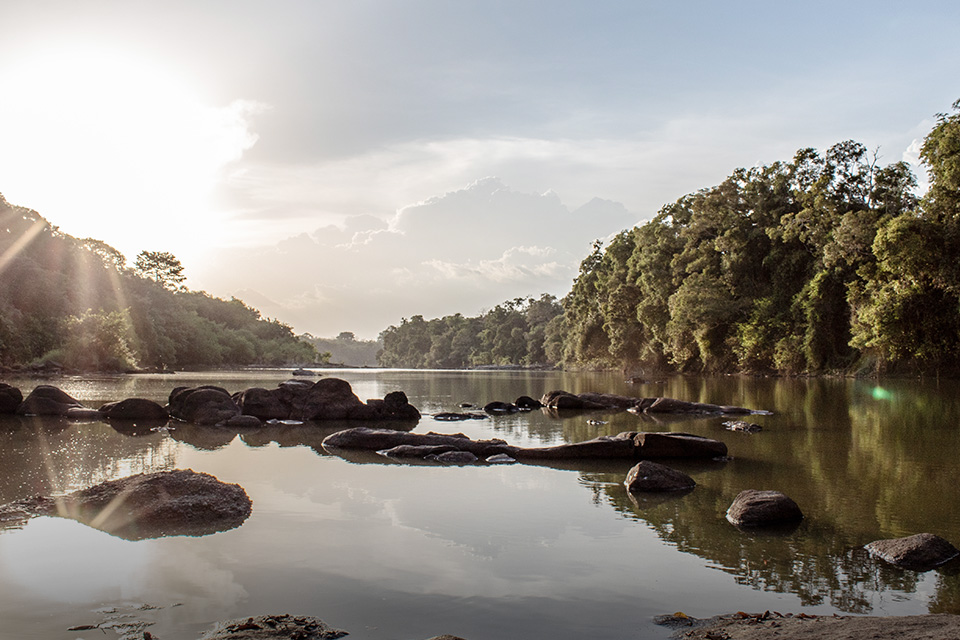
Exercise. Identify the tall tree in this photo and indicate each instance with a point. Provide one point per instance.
(162, 267)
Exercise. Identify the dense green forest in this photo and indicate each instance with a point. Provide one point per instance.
(74, 302)
(825, 263)
(513, 332)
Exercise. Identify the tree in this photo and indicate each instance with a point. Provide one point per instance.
(162, 267)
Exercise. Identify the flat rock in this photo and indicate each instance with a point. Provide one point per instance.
(668, 444)
(381, 439)
(920, 552)
(149, 505)
(651, 476)
(273, 627)
(754, 508)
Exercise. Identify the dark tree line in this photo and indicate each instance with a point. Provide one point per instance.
(73, 301)
(826, 263)
(514, 332)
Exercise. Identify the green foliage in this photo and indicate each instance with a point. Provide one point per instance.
(345, 349)
(820, 264)
(516, 332)
(162, 267)
(74, 302)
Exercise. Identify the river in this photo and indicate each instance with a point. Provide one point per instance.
(399, 551)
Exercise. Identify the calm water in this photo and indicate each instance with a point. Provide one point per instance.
(393, 551)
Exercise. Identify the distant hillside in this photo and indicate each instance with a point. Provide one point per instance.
(346, 349)
(76, 303)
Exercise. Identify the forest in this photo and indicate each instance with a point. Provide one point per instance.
(826, 263)
(74, 303)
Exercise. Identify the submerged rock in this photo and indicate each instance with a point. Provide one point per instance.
(651, 476)
(743, 426)
(920, 552)
(149, 505)
(754, 508)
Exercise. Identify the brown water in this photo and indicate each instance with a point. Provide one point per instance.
(393, 551)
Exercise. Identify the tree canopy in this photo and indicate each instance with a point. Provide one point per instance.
(73, 301)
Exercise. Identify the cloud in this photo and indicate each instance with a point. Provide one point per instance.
(461, 251)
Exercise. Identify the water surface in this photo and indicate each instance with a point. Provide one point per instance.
(398, 551)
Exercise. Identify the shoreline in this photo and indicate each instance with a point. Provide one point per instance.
(767, 625)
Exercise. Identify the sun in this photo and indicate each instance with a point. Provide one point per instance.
(112, 144)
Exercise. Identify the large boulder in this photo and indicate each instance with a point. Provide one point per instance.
(134, 409)
(47, 400)
(678, 445)
(754, 508)
(920, 552)
(203, 405)
(149, 505)
(651, 476)
(10, 398)
(565, 400)
(326, 399)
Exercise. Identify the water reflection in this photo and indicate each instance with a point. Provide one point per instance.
(863, 461)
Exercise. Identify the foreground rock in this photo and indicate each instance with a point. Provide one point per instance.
(753, 508)
(273, 627)
(10, 398)
(151, 505)
(766, 626)
(651, 476)
(47, 400)
(920, 552)
(627, 445)
(134, 409)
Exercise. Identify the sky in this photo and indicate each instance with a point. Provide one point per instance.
(342, 165)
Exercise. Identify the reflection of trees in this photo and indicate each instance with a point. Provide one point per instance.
(50, 455)
(864, 462)
(813, 562)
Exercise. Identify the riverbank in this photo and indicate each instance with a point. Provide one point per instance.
(739, 626)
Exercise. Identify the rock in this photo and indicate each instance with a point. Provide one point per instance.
(415, 450)
(753, 508)
(500, 408)
(742, 425)
(453, 457)
(380, 439)
(10, 398)
(678, 445)
(604, 447)
(204, 405)
(445, 636)
(449, 416)
(327, 399)
(920, 552)
(567, 400)
(265, 404)
(526, 403)
(650, 476)
(500, 458)
(243, 422)
(672, 405)
(47, 400)
(134, 409)
(273, 627)
(150, 505)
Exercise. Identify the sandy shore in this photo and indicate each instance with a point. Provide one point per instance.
(770, 626)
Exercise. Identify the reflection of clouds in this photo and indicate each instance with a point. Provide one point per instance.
(64, 561)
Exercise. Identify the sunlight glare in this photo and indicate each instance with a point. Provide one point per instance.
(112, 146)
